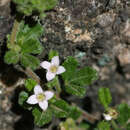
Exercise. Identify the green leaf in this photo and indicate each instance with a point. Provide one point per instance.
(70, 65)
(41, 117)
(75, 112)
(52, 53)
(32, 46)
(54, 83)
(26, 43)
(75, 89)
(124, 113)
(49, 4)
(104, 126)
(76, 80)
(104, 96)
(22, 97)
(29, 61)
(84, 76)
(33, 32)
(11, 57)
(27, 7)
(25, 33)
(60, 108)
(84, 126)
(30, 84)
(20, 30)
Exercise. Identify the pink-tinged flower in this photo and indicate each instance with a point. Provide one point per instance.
(52, 68)
(40, 97)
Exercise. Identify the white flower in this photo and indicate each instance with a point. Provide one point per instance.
(52, 68)
(40, 97)
(107, 117)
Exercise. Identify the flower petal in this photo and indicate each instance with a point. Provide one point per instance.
(38, 89)
(60, 70)
(32, 100)
(45, 64)
(107, 117)
(43, 105)
(55, 60)
(48, 94)
(50, 76)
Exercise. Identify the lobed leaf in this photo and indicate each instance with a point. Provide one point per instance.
(84, 126)
(75, 112)
(26, 43)
(84, 76)
(42, 117)
(32, 32)
(30, 84)
(11, 57)
(53, 83)
(70, 65)
(104, 96)
(76, 90)
(60, 108)
(22, 97)
(27, 7)
(124, 113)
(32, 46)
(52, 53)
(29, 61)
(76, 80)
(25, 32)
(103, 125)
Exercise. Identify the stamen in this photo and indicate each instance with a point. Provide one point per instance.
(40, 97)
(53, 69)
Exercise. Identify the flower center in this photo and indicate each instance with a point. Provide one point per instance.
(53, 69)
(40, 97)
(113, 113)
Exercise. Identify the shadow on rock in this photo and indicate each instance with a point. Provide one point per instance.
(26, 119)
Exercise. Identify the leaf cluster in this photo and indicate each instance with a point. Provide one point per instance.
(75, 81)
(123, 111)
(28, 7)
(25, 46)
(57, 107)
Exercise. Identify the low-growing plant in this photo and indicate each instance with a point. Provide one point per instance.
(44, 99)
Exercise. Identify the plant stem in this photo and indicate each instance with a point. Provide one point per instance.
(28, 71)
(58, 88)
(31, 74)
(114, 125)
(14, 32)
(86, 116)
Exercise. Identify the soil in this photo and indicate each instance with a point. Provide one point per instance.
(95, 32)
